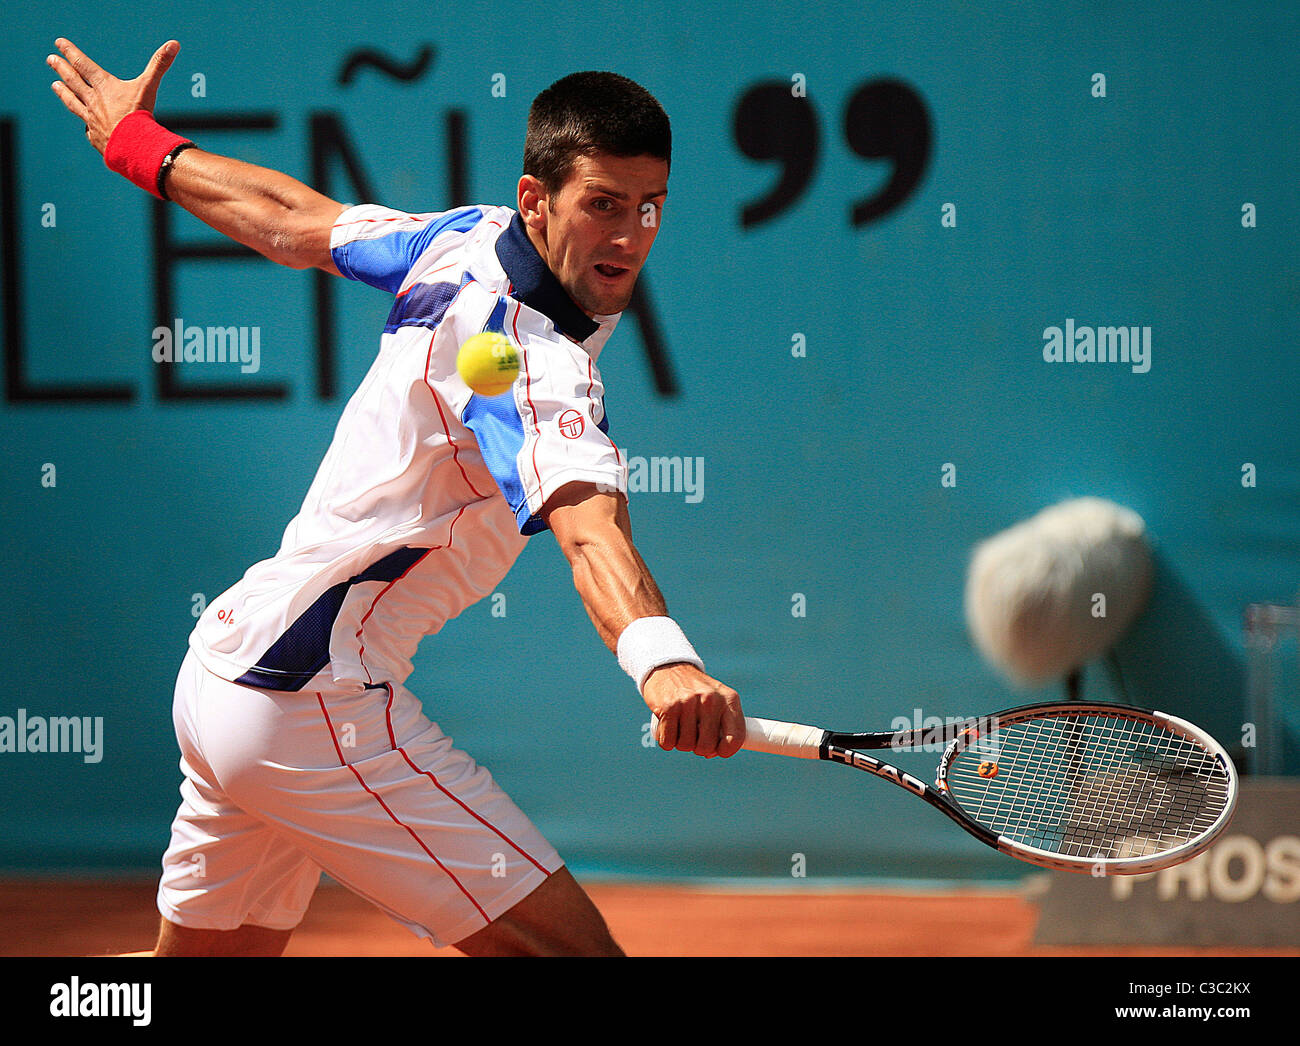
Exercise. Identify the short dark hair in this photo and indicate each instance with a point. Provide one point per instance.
(592, 112)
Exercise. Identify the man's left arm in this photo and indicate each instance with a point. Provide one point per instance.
(696, 712)
(276, 215)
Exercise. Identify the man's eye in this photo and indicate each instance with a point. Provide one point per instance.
(604, 204)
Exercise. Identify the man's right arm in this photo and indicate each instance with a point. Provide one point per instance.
(696, 712)
(275, 215)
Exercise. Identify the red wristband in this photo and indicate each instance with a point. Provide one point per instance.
(137, 148)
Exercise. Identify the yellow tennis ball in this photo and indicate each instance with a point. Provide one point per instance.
(488, 363)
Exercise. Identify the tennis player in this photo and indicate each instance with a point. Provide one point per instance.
(301, 748)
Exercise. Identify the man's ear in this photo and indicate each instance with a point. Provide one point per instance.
(533, 202)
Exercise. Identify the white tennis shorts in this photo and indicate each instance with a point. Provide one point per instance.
(280, 786)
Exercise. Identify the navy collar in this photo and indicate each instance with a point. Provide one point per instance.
(536, 286)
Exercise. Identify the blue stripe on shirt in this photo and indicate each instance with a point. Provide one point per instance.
(304, 647)
(424, 304)
(499, 431)
(384, 261)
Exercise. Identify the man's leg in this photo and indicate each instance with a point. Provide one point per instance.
(176, 940)
(364, 786)
(556, 919)
(401, 817)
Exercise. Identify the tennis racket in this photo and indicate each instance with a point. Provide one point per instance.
(1096, 788)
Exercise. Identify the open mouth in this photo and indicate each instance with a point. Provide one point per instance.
(612, 272)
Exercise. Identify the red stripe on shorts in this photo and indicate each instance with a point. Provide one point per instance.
(388, 715)
(395, 819)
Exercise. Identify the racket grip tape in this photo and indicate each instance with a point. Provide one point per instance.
(777, 738)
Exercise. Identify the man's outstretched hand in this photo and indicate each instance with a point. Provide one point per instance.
(97, 98)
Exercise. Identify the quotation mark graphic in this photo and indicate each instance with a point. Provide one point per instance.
(884, 120)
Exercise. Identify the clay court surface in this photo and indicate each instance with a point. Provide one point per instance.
(91, 919)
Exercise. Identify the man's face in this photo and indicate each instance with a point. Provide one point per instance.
(596, 231)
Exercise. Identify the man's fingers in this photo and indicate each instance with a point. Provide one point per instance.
(732, 733)
(695, 712)
(87, 69)
(706, 736)
(665, 732)
(152, 76)
(686, 730)
(160, 62)
(721, 729)
(70, 77)
(71, 101)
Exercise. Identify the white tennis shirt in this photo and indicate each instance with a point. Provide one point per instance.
(428, 491)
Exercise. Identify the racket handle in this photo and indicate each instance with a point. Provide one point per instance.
(777, 738)
(769, 735)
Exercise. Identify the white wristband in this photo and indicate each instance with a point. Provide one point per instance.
(649, 642)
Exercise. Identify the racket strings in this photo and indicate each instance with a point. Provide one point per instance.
(1090, 785)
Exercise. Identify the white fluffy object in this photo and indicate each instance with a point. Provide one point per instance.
(1057, 590)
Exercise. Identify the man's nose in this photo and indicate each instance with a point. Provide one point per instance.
(633, 237)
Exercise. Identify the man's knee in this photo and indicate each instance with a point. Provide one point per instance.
(556, 919)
